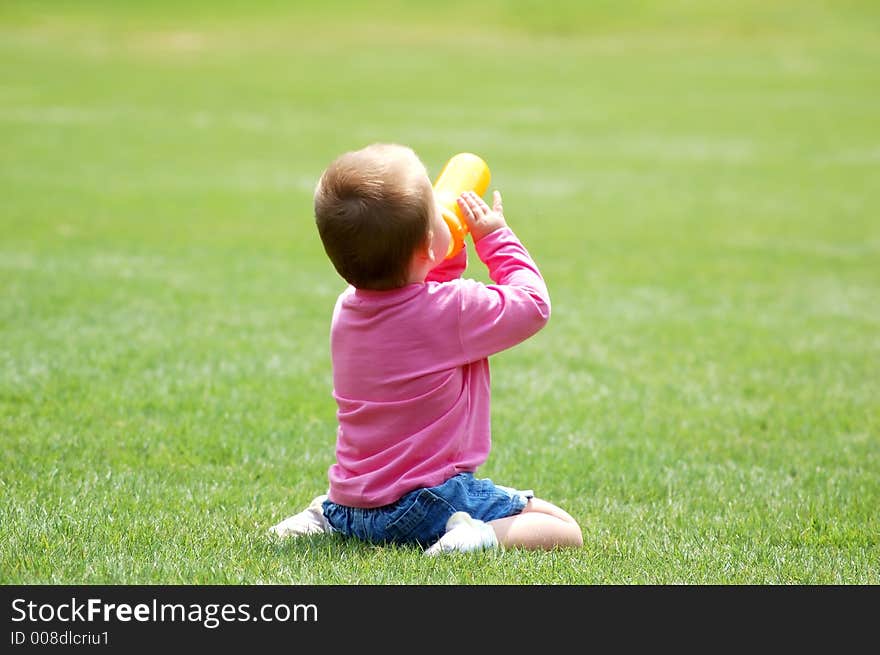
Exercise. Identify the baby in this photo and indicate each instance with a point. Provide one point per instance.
(410, 341)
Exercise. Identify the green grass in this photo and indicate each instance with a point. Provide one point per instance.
(700, 183)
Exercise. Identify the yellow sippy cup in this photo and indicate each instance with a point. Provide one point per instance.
(464, 172)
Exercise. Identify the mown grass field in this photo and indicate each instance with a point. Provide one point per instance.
(700, 183)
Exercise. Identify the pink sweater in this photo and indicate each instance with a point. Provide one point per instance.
(411, 374)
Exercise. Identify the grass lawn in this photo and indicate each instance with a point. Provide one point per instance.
(699, 182)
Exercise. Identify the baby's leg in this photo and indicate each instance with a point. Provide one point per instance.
(541, 525)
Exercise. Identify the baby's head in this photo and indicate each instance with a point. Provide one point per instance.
(375, 211)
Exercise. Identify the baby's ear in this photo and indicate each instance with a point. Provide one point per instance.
(429, 246)
(424, 254)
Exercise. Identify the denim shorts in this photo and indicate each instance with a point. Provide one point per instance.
(420, 516)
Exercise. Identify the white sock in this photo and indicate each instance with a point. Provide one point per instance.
(464, 534)
(309, 521)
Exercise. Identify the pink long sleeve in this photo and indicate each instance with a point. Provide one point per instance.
(411, 374)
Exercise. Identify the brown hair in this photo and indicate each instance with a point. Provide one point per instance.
(373, 210)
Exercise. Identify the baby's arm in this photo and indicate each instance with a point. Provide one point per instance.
(449, 269)
(498, 316)
(480, 223)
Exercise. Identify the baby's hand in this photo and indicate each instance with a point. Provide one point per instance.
(479, 218)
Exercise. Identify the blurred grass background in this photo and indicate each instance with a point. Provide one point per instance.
(699, 182)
